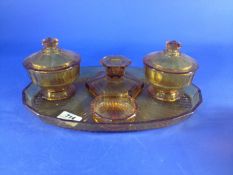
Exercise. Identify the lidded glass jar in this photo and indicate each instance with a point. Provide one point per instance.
(115, 81)
(54, 70)
(168, 72)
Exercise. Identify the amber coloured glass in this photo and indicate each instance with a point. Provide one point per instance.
(114, 81)
(150, 113)
(107, 109)
(54, 70)
(168, 72)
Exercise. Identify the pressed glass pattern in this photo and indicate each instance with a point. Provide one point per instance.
(107, 109)
(150, 113)
(168, 72)
(54, 70)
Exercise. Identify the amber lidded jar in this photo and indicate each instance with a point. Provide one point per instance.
(169, 72)
(54, 70)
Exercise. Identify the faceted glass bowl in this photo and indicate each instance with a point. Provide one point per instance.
(167, 86)
(56, 85)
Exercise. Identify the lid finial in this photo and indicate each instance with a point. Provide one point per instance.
(173, 45)
(173, 48)
(50, 42)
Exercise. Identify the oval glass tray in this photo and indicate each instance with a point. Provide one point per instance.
(151, 113)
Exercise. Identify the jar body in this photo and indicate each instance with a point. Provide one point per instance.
(167, 86)
(57, 84)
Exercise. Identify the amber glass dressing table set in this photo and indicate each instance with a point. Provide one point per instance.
(113, 97)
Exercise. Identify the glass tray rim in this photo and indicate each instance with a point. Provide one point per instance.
(172, 119)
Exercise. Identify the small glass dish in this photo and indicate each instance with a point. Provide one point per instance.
(108, 109)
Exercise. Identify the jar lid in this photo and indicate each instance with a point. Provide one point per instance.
(51, 57)
(171, 60)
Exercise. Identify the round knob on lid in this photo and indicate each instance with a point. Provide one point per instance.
(173, 47)
(50, 42)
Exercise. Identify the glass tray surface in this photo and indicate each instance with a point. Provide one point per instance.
(151, 112)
